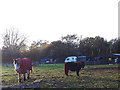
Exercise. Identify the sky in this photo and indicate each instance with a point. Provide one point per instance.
(51, 19)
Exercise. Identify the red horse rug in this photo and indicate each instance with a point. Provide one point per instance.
(23, 66)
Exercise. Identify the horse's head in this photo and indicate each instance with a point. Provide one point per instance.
(16, 63)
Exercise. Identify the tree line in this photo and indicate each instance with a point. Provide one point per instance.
(15, 46)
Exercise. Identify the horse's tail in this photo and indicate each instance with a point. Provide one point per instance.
(31, 70)
(64, 69)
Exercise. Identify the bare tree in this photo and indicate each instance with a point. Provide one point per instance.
(12, 44)
(13, 39)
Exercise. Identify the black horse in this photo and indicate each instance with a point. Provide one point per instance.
(73, 66)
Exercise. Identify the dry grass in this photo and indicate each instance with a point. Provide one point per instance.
(92, 76)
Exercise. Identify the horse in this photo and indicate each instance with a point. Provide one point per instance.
(22, 66)
(73, 66)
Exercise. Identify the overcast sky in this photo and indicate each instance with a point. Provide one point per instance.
(51, 19)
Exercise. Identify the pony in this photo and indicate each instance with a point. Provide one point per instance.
(22, 66)
(73, 66)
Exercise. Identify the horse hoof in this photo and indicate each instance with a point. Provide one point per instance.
(19, 81)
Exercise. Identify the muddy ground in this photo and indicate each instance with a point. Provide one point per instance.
(87, 71)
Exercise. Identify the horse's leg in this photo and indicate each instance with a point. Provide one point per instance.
(77, 72)
(28, 72)
(19, 77)
(24, 76)
(66, 71)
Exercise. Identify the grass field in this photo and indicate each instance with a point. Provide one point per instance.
(52, 75)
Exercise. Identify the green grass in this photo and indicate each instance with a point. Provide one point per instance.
(101, 66)
(52, 75)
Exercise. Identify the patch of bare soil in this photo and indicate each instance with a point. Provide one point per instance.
(34, 85)
(10, 75)
(105, 68)
(93, 71)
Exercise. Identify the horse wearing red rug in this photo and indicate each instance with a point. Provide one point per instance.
(23, 66)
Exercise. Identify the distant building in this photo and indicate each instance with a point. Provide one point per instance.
(46, 61)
